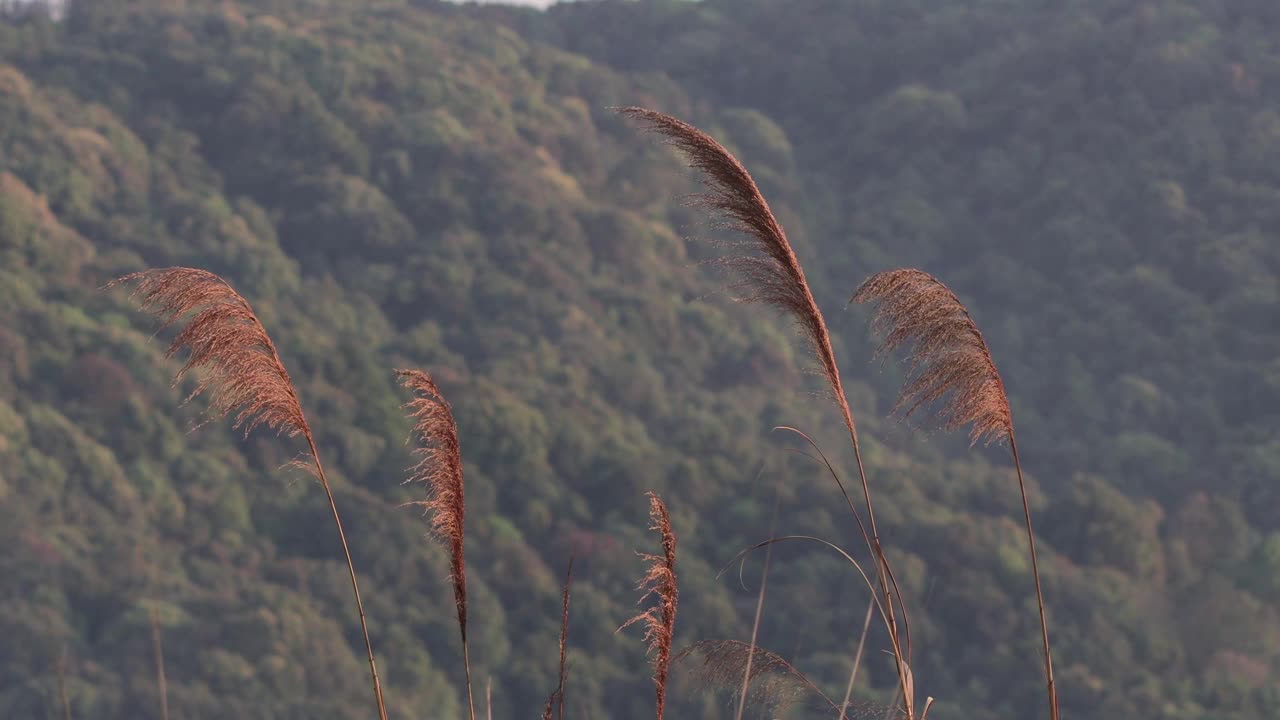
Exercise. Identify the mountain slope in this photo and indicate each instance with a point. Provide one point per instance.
(427, 185)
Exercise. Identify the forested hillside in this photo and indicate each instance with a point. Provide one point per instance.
(407, 183)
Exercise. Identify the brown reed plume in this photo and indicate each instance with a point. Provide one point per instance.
(770, 681)
(771, 274)
(440, 470)
(242, 373)
(775, 684)
(950, 366)
(227, 342)
(659, 620)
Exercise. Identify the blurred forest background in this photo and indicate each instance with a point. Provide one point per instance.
(406, 182)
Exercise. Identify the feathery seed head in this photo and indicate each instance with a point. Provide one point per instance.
(660, 581)
(226, 340)
(440, 469)
(769, 269)
(775, 685)
(949, 363)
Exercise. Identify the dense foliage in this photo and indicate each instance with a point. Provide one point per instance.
(419, 184)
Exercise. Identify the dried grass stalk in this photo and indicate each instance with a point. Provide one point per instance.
(564, 637)
(439, 469)
(660, 582)
(771, 274)
(488, 698)
(242, 373)
(556, 698)
(62, 684)
(857, 655)
(157, 649)
(950, 366)
(755, 623)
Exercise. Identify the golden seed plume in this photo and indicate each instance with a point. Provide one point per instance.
(949, 363)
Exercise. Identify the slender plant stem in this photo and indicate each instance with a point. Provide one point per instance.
(355, 586)
(892, 710)
(755, 625)
(466, 665)
(62, 684)
(488, 698)
(162, 684)
(564, 638)
(1051, 689)
(882, 563)
(857, 658)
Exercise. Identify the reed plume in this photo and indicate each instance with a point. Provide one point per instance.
(660, 581)
(770, 270)
(242, 373)
(775, 684)
(951, 366)
(440, 469)
(771, 274)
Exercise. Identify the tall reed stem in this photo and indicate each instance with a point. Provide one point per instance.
(883, 574)
(162, 684)
(62, 684)
(355, 585)
(1050, 688)
(755, 625)
(466, 667)
(857, 658)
